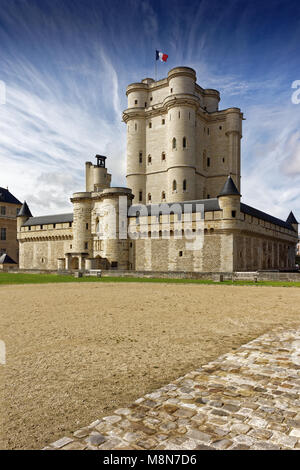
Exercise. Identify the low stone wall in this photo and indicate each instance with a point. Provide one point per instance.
(217, 277)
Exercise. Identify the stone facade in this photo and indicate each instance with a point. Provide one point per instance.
(9, 207)
(181, 152)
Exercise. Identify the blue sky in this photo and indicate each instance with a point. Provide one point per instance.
(66, 65)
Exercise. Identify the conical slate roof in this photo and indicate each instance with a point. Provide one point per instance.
(5, 259)
(229, 188)
(24, 211)
(291, 219)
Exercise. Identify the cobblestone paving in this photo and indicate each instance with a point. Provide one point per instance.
(248, 399)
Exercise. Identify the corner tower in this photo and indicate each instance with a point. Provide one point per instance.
(180, 147)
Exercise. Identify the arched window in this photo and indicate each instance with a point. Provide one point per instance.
(174, 143)
(174, 186)
(184, 142)
(97, 225)
(149, 197)
(163, 157)
(184, 185)
(163, 196)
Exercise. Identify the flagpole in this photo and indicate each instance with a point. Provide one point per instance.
(155, 68)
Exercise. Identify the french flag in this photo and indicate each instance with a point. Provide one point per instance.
(161, 56)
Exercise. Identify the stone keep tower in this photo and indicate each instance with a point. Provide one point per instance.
(180, 147)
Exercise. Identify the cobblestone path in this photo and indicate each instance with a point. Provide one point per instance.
(248, 399)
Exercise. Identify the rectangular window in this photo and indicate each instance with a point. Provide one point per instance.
(3, 210)
(3, 234)
(70, 224)
(163, 121)
(114, 264)
(208, 161)
(87, 226)
(140, 196)
(86, 245)
(54, 225)
(140, 157)
(233, 213)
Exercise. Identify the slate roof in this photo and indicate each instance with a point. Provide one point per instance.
(291, 218)
(6, 196)
(229, 188)
(209, 205)
(24, 211)
(264, 216)
(5, 259)
(49, 219)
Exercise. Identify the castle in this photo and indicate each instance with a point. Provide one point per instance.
(183, 177)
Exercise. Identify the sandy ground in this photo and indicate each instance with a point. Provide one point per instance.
(75, 352)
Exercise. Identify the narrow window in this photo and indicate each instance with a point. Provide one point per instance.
(233, 213)
(145, 104)
(163, 196)
(171, 90)
(86, 245)
(41, 227)
(149, 197)
(54, 225)
(207, 131)
(163, 121)
(3, 233)
(149, 159)
(135, 101)
(70, 224)
(163, 156)
(208, 196)
(208, 161)
(137, 218)
(140, 196)
(220, 127)
(141, 157)
(135, 127)
(223, 160)
(86, 226)
(174, 186)
(178, 114)
(184, 185)
(151, 98)
(180, 253)
(3, 210)
(174, 143)
(184, 142)
(150, 125)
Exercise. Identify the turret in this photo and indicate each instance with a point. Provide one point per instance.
(292, 221)
(229, 200)
(96, 176)
(23, 215)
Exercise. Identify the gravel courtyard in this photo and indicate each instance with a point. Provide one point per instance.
(79, 351)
